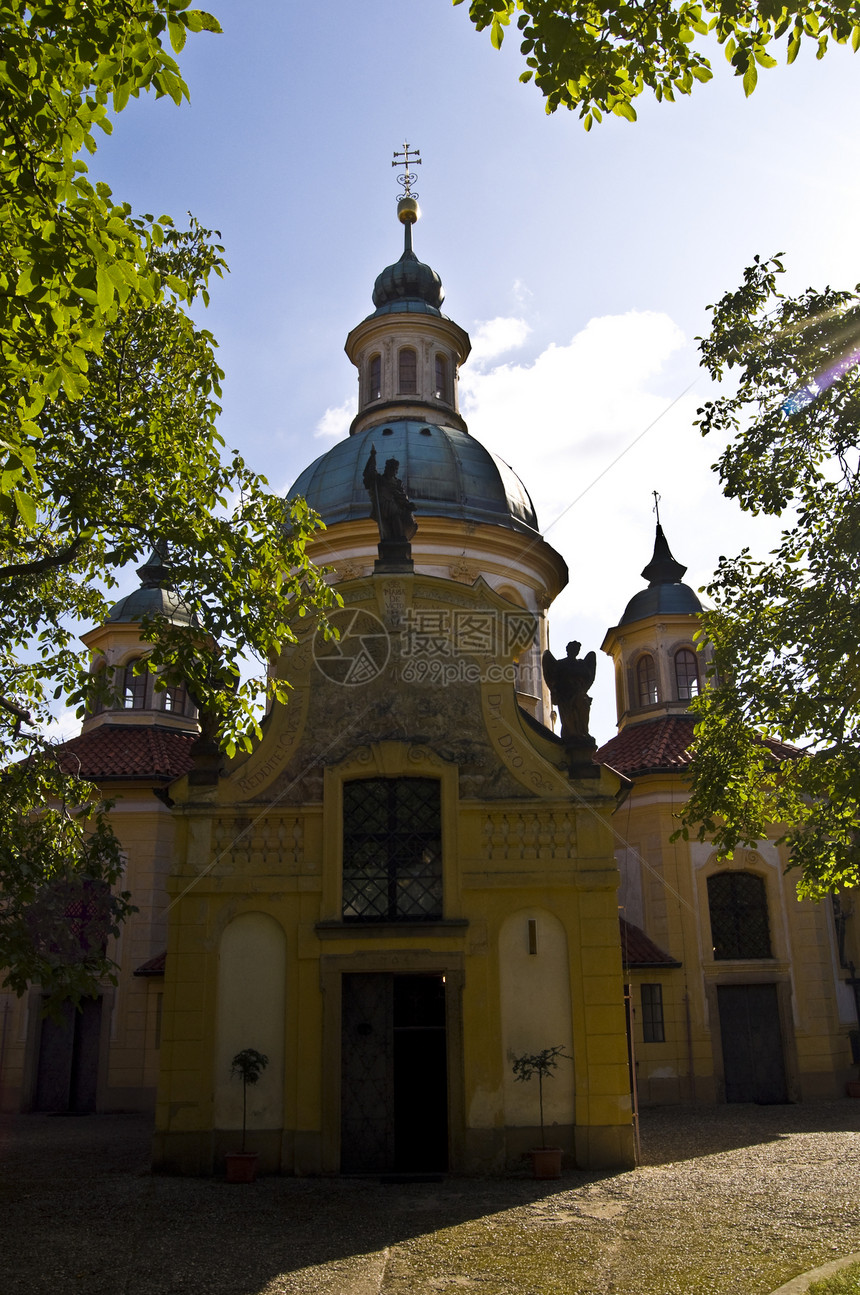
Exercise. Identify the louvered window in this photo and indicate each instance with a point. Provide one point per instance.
(392, 850)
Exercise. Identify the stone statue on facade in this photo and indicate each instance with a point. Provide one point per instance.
(569, 681)
(390, 507)
(392, 510)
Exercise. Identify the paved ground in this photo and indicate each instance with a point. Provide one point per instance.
(733, 1200)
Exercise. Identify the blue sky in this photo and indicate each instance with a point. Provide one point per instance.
(581, 264)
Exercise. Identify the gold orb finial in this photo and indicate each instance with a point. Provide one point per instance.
(408, 210)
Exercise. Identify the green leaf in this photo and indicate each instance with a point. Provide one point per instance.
(750, 79)
(27, 508)
(177, 34)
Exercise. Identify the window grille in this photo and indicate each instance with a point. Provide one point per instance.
(739, 921)
(392, 850)
(646, 678)
(686, 674)
(407, 371)
(653, 1030)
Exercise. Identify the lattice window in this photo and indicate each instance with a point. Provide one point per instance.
(739, 921)
(407, 371)
(653, 1030)
(392, 850)
(686, 674)
(133, 688)
(646, 679)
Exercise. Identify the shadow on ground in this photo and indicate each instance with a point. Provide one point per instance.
(81, 1212)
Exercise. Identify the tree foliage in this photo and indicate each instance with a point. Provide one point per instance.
(598, 58)
(786, 630)
(109, 445)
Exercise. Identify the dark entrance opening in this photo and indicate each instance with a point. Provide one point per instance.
(753, 1059)
(394, 1086)
(67, 1076)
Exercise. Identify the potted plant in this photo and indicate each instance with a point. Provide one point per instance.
(248, 1064)
(546, 1161)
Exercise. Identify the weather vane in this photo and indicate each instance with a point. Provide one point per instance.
(657, 499)
(409, 157)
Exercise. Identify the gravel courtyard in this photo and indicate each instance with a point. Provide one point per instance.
(733, 1200)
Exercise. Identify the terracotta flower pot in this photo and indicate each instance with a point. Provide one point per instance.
(546, 1162)
(241, 1166)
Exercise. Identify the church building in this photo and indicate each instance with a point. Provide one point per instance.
(413, 880)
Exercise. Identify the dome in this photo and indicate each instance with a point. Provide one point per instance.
(409, 284)
(665, 595)
(661, 600)
(152, 598)
(445, 472)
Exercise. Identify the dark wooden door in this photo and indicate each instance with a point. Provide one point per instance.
(753, 1057)
(394, 1087)
(67, 1075)
(367, 1074)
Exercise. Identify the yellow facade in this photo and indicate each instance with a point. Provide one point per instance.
(527, 939)
(767, 1022)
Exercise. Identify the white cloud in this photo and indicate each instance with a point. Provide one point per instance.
(336, 420)
(497, 336)
(593, 427)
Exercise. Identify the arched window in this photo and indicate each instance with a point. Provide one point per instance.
(443, 390)
(374, 378)
(407, 371)
(392, 850)
(646, 681)
(176, 700)
(738, 906)
(686, 674)
(133, 688)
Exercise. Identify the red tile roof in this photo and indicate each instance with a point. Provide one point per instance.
(656, 746)
(154, 967)
(126, 751)
(638, 951)
(665, 746)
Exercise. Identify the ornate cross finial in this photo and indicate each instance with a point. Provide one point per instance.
(657, 499)
(409, 157)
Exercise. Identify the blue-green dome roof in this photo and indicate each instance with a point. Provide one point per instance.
(153, 598)
(445, 472)
(665, 595)
(661, 600)
(408, 281)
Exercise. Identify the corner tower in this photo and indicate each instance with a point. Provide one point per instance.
(658, 666)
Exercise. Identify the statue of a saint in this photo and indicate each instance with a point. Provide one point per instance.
(390, 506)
(569, 681)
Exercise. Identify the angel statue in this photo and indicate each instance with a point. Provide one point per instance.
(569, 681)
